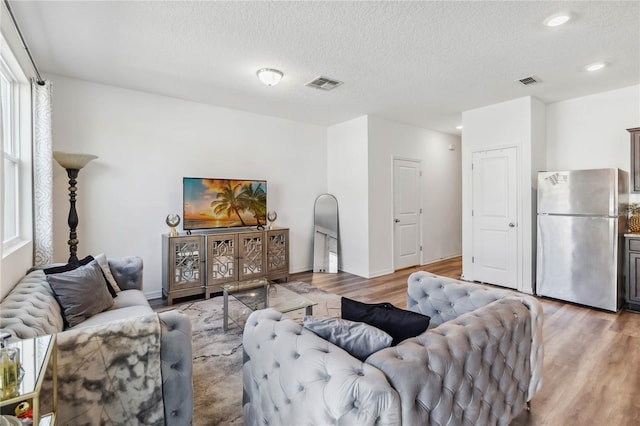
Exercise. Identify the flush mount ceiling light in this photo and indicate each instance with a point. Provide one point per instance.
(595, 66)
(459, 127)
(269, 76)
(557, 19)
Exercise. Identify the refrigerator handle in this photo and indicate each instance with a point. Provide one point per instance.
(539, 259)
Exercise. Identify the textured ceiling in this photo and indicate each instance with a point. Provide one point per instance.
(421, 63)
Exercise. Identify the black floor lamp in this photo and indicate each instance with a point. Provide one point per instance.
(72, 163)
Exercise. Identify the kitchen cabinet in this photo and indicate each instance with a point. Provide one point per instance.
(632, 271)
(635, 159)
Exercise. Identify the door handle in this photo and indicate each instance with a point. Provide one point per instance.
(397, 220)
(512, 225)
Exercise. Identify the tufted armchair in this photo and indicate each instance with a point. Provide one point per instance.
(478, 364)
(445, 299)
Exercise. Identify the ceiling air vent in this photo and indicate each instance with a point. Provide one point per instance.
(323, 83)
(528, 81)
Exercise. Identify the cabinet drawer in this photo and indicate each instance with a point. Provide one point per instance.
(634, 244)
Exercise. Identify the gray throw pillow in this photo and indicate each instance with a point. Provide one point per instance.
(81, 292)
(357, 338)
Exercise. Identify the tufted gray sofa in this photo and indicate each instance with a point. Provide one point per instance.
(30, 310)
(479, 363)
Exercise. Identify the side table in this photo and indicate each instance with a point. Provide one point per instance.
(35, 356)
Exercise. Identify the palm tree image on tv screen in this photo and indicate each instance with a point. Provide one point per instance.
(223, 203)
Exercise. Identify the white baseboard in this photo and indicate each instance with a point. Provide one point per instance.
(428, 262)
(153, 294)
(300, 269)
(380, 273)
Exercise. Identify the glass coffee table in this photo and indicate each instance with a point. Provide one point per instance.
(260, 294)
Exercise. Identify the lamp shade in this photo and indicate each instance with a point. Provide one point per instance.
(72, 161)
(269, 76)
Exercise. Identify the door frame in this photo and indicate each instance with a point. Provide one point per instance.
(392, 209)
(519, 207)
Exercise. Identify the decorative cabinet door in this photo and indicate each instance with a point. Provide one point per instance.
(186, 257)
(222, 256)
(278, 254)
(251, 261)
(183, 272)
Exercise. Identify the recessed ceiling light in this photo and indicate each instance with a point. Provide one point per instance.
(595, 66)
(459, 127)
(557, 20)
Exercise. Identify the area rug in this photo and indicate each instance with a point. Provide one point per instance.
(217, 356)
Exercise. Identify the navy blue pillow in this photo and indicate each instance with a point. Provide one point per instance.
(398, 323)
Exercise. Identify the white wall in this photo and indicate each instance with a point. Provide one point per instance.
(360, 174)
(518, 123)
(441, 191)
(590, 132)
(538, 163)
(146, 143)
(348, 171)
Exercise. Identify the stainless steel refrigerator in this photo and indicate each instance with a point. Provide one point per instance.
(581, 222)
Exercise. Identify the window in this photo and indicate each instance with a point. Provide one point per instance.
(15, 119)
(11, 153)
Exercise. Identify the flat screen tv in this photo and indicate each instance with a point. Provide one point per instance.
(223, 203)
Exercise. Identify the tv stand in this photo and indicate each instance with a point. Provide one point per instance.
(196, 264)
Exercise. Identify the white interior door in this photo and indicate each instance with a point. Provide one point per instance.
(495, 228)
(406, 213)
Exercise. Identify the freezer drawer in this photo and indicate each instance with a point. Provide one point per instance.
(577, 260)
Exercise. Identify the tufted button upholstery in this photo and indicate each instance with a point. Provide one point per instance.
(127, 271)
(310, 370)
(176, 367)
(478, 365)
(444, 299)
(469, 297)
(472, 370)
(30, 309)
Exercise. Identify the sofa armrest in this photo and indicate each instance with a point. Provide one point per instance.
(177, 363)
(292, 376)
(127, 271)
(30, 309)
(537, 348)
(471, 370)
(444, 299)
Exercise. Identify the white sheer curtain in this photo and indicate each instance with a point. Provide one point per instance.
(42, 174)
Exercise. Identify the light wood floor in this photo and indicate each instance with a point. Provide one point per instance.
(591, 360)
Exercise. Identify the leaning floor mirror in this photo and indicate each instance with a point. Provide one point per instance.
(325, 240)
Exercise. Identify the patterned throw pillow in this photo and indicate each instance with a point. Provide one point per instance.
(104, 265)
